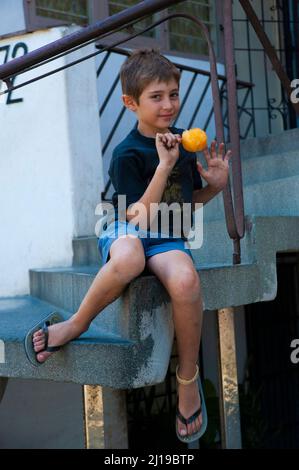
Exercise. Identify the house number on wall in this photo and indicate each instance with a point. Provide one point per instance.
(8, 53)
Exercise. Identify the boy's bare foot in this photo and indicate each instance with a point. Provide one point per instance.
(189, 403)
(59, 334)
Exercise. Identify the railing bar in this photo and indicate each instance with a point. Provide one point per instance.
(103, 63)
(11, 88)
(79, 60)
(113, 130)
(211, 112)
(200, 102)
(271, 53)
(185, 97)
(189, 89)
(266, 73)
(234, 131)
(250, 71)
(88, 33)
(112, 88)
(248, 128)
(188, 68)
(241, 106)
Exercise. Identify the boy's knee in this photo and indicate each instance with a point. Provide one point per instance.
(185, 285)
(129, 261)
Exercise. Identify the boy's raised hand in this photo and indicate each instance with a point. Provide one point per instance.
(168, 149)
(216, 174)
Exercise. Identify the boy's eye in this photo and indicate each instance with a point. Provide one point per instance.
(173, 95)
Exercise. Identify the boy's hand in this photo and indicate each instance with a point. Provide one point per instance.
(168, 149)
(216, 174)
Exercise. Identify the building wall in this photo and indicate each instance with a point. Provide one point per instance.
(11, 19)
(50, 163)
(50, 183)
(36, 414)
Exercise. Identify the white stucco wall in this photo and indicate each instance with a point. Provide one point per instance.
(12, 19)
(50, 164)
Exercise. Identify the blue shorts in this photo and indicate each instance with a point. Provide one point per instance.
(151, 245)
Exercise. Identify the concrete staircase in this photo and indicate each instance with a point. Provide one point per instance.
(129, 343)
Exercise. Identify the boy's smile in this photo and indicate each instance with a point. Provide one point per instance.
(158, 106)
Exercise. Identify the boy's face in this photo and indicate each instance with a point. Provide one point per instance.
(158, 106)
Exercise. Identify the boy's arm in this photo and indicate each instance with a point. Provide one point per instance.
(205, 194)
(141, 210)
(168, 151)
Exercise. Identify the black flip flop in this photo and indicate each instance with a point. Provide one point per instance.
(202, 410)
(43, 324)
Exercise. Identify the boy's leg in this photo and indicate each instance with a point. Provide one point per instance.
(126, 262)
(177, 273)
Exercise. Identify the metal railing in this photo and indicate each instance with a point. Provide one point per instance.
(193, 74)
(270, 105)
(234, 205)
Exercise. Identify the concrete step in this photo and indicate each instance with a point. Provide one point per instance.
(85, 251)
(273, 198)
(266, 198)
(217, 246)
(129, 343)
(97, 357)
(67, 287)
(270, 167)
(280, 143)
(264, 237)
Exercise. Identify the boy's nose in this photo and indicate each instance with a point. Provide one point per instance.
(167, 105)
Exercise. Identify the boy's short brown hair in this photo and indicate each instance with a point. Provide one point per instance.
(144, 66)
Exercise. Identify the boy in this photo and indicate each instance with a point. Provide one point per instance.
(147, 167)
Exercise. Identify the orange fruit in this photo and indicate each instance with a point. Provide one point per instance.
(194, 140)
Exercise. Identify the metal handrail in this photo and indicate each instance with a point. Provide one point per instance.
(234, 214)
(195, 71)
(188, 68)
(119, 20)
(80, 38)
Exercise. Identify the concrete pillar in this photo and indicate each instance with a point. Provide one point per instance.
(228, 381)
(105, 418)
(3, 385)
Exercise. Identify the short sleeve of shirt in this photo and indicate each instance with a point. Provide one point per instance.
(197, 182)
(126, 177)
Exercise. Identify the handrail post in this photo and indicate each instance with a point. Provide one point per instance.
(233, 125)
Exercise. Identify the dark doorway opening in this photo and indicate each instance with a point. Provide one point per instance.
(272, 376)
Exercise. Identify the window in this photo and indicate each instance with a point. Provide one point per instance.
(184, 35)
(179, 36)
(115, 6)
(71, 11)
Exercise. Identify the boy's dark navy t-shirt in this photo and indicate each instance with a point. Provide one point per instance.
(133, 164)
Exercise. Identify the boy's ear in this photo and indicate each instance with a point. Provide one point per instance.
(129, 102)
